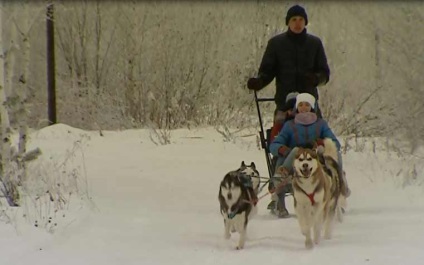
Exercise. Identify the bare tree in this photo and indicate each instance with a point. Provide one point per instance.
(8, 183)
(12, 100)
(170, 65)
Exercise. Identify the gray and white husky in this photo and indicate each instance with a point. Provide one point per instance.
(237, 197)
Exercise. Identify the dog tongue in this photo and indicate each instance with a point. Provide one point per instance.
(306, 172)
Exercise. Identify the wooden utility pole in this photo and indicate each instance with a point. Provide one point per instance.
(51, 79)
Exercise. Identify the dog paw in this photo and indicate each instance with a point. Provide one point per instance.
(239, 247)
(327, 236)
(309, 244)
(316, 241)
(317, 237)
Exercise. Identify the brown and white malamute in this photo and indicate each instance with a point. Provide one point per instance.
(237, 197)
(317, 191)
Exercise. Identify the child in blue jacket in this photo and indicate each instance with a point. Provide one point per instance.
(302, 131)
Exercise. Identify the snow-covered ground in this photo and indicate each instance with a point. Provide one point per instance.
(141, 203)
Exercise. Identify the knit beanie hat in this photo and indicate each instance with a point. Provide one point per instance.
(290, 101)
(305, 97)
(296, 10)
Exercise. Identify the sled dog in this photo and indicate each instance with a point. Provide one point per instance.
(317, 190)
(252, 174)
(237, 198)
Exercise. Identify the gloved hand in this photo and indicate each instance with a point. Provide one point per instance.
(284, 151)
(311, 80)
(320, 141)
(320, 146)
(255, 83)
(320, 149)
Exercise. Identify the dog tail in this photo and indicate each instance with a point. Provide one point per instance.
(340, 208)
(330, 149)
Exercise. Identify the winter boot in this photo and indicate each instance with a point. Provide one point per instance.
(282, 184)
(271, 206)
(281, 210)
(281, 179)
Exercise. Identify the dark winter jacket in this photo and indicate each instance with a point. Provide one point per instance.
(288, 57)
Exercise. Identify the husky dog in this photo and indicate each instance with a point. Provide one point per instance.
(237, 197)
(317, 189)
(252, 174)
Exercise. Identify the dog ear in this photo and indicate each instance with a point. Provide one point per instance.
(252, 165)
(299, 152)
(310, 145)
(314, 153)
(243, 164)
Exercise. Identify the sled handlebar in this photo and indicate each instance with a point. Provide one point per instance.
(262, 133)
(264, 99)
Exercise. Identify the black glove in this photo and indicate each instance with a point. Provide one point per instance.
(254, 83)
(311, 80)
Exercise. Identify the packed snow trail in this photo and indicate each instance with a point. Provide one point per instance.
(158, 205)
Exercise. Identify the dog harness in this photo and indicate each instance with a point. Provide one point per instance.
(311, 197)
(251, 201)
(232, 214)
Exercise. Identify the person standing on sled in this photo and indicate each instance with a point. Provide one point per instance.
(297, 61)
(305, 129)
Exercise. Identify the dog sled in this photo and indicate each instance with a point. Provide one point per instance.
(265, 139)
(265, 136)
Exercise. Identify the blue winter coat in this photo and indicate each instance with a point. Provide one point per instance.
(293, 134)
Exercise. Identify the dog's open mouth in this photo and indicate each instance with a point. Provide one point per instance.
(306, 172)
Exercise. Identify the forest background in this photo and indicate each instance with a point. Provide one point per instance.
(181, 64)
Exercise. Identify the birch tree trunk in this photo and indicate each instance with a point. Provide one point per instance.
(21, 112)
(8, 187)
